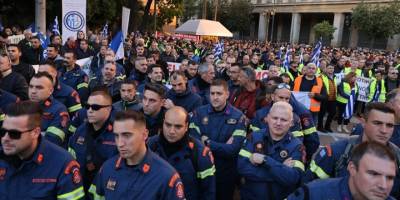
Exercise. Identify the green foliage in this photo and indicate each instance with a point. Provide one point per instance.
(236, 16)
(378, 20)
(190, 9)
(324, 29)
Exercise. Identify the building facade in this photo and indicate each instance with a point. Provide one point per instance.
(292, 20)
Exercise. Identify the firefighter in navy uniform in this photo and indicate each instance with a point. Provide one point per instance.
(72, 75)
(221, 127)
(55, 116)
(192, 160)
(372, 169)
(30, 166)
(332, 159)
(62, 92)
(137, 172)
(93, 142)
(271, 162)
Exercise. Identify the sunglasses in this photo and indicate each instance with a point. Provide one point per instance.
(13, 134)
(283, 85)
(95, 107)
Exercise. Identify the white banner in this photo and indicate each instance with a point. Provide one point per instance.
(363, 88)
(73, 17)
(85, 64)
(125, 21)
(173, 66)
(261, 74)
(16, 38)
(303, 98)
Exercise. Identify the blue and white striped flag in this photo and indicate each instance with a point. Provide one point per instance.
(317, 53)
(55, 29)
(218, 50)
(279, 55)
(117, 45)
(44, 41)
(104, 32)
(350, 105)
(286, 62)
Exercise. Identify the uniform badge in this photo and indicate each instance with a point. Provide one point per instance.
(64, 119)
(231, 121)
(80, 140)
(2, 173)
(111, 184)
(259, 148)
(283, 154)
(76, 176)
(306, 121)
(179, 190)
(204, 121)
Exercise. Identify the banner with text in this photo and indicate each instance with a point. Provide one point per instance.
(261, 74)
(363, 88)
(73, 17)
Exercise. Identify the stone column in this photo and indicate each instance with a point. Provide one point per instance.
(338, 23)
(393, 43)
(353, 41)
(262, 27)
(295, 28)
(311, 37)
(279, 29)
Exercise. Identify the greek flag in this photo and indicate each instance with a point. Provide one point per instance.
(286, 62)
(104, 32)
(117, 45)
(301, 57)
(44, 41)
(279, 55)
(32, 27)
(316, 53)
(56, 28)
(350, 105)
(219, 49)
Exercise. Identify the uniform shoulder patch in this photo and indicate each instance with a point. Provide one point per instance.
(70, 166)
(173, 179)
(179, 190)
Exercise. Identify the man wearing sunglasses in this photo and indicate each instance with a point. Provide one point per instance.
(93, 142)
(55, 117)
(32, 167)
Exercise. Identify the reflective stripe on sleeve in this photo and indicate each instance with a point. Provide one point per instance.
(309, 131)
(82, 85)
(206, 173)
(96, 196)
(72, 152)
(56, 131)
(254, 128)
(194, 126)
(76, 194)
(71, 128)
(298, 164)
(244, 153)
(75, 108)
(297, 134)
(317, 170)
(241, 133)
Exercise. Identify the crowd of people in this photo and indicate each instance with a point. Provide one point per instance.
(135, 128)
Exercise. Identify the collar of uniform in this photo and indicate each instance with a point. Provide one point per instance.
(38, 153)
(345, 192)
(144, 166)
(227, 109)
(48, 101)
(285, 138)
(107, 127)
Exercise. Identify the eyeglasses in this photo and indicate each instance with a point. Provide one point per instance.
(95, 107)
(13, 134)
(283, 85)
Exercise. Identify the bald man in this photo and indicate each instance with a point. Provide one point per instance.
(192, 160)
(271, 161)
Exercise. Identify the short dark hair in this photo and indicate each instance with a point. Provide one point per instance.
(392, 94)
(157, 88)
(16, 46)
(220, 82)
(235, 64)
(136, 116)
(151, 67)
(175, 75)
(56, 47)
(44, 74)
(379, 106)
(129, 82)
(30, 108)
(375, 148)
(70, 51)
(50, 63)
(250, 73)
(102, 91)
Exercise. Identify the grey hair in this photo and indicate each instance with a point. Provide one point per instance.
(250, 73)
(203, 68)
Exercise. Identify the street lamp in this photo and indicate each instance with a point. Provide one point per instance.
(273, 23)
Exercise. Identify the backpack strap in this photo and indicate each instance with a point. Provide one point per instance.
(344, 158)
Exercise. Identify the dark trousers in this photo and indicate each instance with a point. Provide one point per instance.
(327, 107)
(341, 109)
